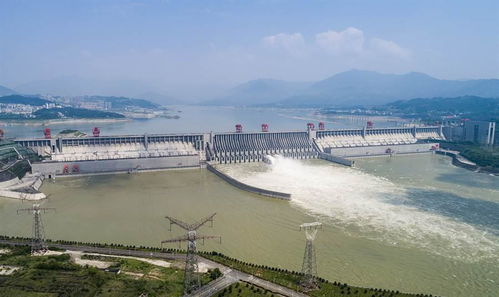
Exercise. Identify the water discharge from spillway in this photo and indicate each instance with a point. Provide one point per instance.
(366, 205)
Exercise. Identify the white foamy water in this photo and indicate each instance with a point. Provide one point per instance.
(369, 206)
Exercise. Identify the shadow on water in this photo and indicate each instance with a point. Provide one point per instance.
(480, 213)
(484, 181)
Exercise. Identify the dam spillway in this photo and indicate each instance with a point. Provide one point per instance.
(253, 147)
(126, 153)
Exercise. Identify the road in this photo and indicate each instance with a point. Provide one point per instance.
(229, 277)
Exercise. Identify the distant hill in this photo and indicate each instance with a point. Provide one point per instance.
(80, 86)
(6, 91)
(20, 99)
(159, 98)
(74, 113)
(371, 88)
(260, 91)
(123, 102)
(472, 107)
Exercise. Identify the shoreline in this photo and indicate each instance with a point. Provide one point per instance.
(59, 121)
(459, 161)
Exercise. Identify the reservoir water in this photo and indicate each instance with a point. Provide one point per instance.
(410, 223)
(199, 119)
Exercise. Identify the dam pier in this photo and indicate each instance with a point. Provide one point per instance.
(51, 157)
(63, 156)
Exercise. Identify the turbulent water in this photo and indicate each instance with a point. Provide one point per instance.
(375, 207)
(409, 223)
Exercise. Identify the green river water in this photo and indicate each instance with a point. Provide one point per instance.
(409, 223)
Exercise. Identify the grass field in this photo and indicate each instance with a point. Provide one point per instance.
(244, 290)
(291, 279)
(45, 276)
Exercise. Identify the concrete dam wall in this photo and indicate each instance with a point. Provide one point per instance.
(248, 188)
(253, 147)
(68, 155)
(51, 169)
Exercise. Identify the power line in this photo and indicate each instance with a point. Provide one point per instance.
(191, 276)
(38, 236)
(309, 267)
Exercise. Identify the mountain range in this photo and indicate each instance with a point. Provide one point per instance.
(350, 88)
(4, 91)
(353, 88)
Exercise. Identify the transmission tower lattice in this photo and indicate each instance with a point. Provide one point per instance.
(38, 235)
(191, 278)
(309, 267)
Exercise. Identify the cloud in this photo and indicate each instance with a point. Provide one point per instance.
(352, 41)
(349, 41)
(389, 48)
(292, 43)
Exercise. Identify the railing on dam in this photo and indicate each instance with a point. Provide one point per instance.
(252, 147)
(248, 188)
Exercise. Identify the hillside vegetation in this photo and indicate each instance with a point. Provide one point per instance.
(26, 100)
(74, 113)
(123, 102)
(487, 158)
(471, 107)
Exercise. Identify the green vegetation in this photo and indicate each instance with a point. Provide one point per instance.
(72, 133)
(291, 279)
(472, 107)
(486, 158)
(279, 276)
(75, 113)
(26, 100)
(59, 276)
(243, 290)
(122, 103)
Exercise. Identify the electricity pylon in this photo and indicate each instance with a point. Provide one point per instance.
(191, 278)
(309, 268)
(38, 236)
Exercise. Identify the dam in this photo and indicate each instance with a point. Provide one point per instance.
(132, 153)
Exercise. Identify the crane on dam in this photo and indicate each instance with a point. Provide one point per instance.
(191, 276)
(38, 235)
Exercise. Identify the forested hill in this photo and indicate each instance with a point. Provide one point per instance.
(74, 113)
(472, 107)
(26, 100)
(122, 102)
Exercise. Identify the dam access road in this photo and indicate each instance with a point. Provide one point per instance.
(229, 277)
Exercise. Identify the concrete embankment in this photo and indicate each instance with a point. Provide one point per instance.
(246, 187)
(382, 150)
(336, 159)
(23, 189)
(458, 160)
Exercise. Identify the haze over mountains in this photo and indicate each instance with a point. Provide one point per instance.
(350, 88)
(4, 91)
(356, 87)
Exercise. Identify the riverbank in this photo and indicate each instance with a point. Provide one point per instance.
(460, 161)
(57, 122)
(473, 157)
(279, 281)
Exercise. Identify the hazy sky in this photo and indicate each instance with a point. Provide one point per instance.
(199, 43)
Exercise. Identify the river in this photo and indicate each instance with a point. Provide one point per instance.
(198, 119)
(410, 223)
